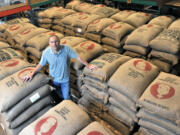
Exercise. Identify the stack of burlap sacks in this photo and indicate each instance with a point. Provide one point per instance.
(159, 108)
(165, 47)
(115, 36)
(87, 50)
(20, 102)
(63, 117)
(95, 89)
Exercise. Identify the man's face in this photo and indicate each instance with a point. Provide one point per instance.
(54, 44)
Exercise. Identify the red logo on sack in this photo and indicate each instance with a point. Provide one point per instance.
(95, 133)
(14, 27)
(113, 26)
(87, 45)
(25, 31)
(49, 124)
(52, 33)
(101, 5)
(24, 72)
(142, 65)
(149, 25)
(64, 42)
(162, 91)
(96, 21)
(83, 17)
(9, 63)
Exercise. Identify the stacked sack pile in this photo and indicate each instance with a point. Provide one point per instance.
(95, 28)
(35, 45)
(58, 15)
(126, 86)
(65, 118)
(75, 76)
(164, 22)
(87, 50)
(73, 4)
(44, 17)
(95, 89)
(115, 35)
(159, 111)
(20, 102)
(138, 45)
(165, 47)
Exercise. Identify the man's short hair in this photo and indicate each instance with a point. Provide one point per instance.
(57, 38)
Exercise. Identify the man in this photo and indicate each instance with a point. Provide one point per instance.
(58, 57)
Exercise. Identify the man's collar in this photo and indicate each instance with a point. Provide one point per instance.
(52, 52)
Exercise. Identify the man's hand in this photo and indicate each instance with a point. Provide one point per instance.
(28, 77)
(92, 67)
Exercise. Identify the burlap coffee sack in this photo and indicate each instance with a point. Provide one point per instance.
(22, 37)
(107, 64)
(69, 32)
(4, 45)
(156, 128)
(45, 26)
(133, 54)
(117, 30)
(123, 99)
(87, 50)
(48, 12)
(29, 112)
(95, 83)
(25, 103)
(83, 20)
(93, 37)
(148, 32)
(98, 25)
(58, 28)
(16, 131)
(110, 49)
(122, 15)
(139, 73)
(72, 4)
(14, 89)
(126, 109)
(83, 7)
(59, 120)
(136, 48)
(167, 57)
(11, 66)
(156, 119)
(120, 115)
(61, 13)
(167, 41)
(57, 21)
(13, 21)
(161, 97)
(113, 43)
(103, 11)
(137, 19)
(14, 29)
(33, 51)
(9, 53)
(175, 24)
(145, 131)
(163, 66)
(72, 41)
(44, 20)
(101, 95)
(162, 21)
(95, 128)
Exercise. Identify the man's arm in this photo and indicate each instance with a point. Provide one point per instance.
(30, 76)
(89, 66)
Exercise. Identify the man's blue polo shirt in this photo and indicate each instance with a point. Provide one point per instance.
(58, 63)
